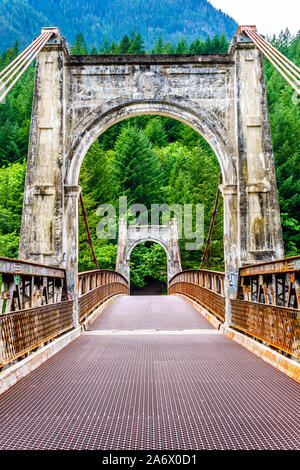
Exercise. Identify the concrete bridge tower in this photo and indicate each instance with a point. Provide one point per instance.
(221, 96)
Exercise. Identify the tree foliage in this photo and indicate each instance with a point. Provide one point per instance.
(110, 20)
(284, 112)
(150, 159)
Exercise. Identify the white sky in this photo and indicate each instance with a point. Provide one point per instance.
(270, 16)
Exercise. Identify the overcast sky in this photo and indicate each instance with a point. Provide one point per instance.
(270, 16)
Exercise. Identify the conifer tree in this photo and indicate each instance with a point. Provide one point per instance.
(168, 48)
(155, 131)
(105, 49)
(124, 44)
(182, 47)
(94, 50)
(114, 48)
(137, 167)
(79, 47)
(137, 45)
(159, 46)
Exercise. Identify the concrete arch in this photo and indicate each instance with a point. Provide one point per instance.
(132, 235)
(132, 246)
(200, 119)
(221, 96)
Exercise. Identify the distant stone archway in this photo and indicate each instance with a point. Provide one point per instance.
(165, 235)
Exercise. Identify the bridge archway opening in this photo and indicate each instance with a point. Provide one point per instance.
(205, 123)
(183, 143)
(148, 268)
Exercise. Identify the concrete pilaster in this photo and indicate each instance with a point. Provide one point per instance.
(70, 243)
(260, 235)
(231, 246)
(41, 236)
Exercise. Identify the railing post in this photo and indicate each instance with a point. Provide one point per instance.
(1, 351)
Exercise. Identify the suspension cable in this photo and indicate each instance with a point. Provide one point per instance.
(10, 73)
(284, 66)
(277, 64)
(212, 221)
(278, 53)
(22, 62)
(87, 228)
(279, 60)
(18, 58)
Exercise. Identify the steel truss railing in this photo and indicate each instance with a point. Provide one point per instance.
(26, 285)
(34, 305)
(267, 303)
(273, 282)
(95, 287)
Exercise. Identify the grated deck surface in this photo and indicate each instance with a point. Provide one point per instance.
(152, 391)
(150, 312)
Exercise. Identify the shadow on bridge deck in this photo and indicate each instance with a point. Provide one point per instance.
(161, 386)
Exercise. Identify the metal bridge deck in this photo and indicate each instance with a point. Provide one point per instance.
(157, 389)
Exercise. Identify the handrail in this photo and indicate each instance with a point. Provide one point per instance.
(26, 284)
(204, 287)
(266, 306)
(209, 271)
(271, 282)
(96, 287)
(96, 271)
(31, 268)
(24, 330)
(34, 306)
(285, 264)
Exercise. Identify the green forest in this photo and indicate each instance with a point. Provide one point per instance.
(110, 20)
(163, 150)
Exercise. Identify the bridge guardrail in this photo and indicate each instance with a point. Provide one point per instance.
(274, 282)
(24, 330)
(95, 287)
(204, 286)
(267, 303)
(277, 326)
(34, 306)
(26, 285)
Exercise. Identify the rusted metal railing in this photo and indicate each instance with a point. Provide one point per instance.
(277, 326)
(267, 304)
(24, 330)
(95, 287)
(203, 286)
(25, 285)
(274, 282)
(33, 306)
